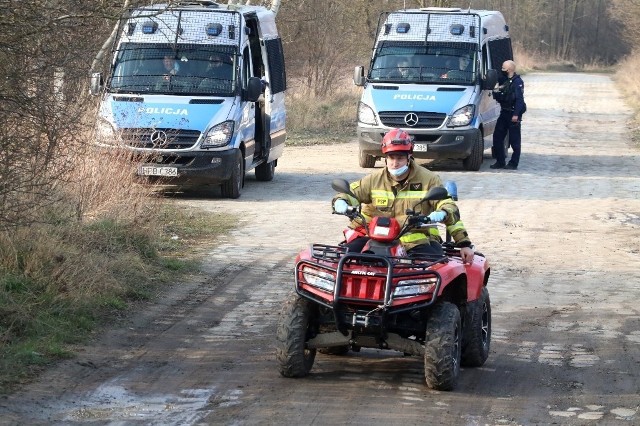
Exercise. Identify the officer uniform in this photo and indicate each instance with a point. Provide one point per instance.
(383, 196)
(511, 99)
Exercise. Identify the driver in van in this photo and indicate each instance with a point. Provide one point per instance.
(218, 73)
(171, 66)
(390, 191)
(459, 67)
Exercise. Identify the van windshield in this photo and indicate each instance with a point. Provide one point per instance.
(183, 69)
(417, 62)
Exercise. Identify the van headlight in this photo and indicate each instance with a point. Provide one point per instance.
(406, 288)
(219, 135)
(462, 117)
(105, 133)
(366, 114)
(319, 278)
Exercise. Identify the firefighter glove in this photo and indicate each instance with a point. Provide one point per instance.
(340, 206)
(437, 216)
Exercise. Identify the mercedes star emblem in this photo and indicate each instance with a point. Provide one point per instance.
(411, 119)
(158, 138)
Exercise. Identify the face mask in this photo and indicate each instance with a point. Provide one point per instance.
(399, 172)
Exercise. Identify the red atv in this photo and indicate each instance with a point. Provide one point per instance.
(431, 306)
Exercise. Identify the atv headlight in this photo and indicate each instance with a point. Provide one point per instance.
(319, 278)
(408, 288)
(219, 135)
(462, 117)
(366, 114)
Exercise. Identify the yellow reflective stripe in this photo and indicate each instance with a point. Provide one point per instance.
(455, 227)
(441, 203)
(419, 195)
(434, 232)
(413, 237)
(353, 201)
(379, 193)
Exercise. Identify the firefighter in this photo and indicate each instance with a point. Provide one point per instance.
(510, 96)
(390, 191)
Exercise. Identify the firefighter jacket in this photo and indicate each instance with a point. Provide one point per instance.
(383, 196)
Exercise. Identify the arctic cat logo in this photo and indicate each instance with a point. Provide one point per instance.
(414, 97)
(168, 111)
(362, 273)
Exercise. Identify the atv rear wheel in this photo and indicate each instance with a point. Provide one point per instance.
(477, 331)
(293, 332)
(442, 347)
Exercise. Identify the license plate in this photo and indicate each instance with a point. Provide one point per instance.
(157, 171)
(421, 147)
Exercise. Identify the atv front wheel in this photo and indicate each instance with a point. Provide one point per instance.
(442, 347)
(477, 331)
(293, 332)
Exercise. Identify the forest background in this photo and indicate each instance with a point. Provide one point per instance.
(80, 243)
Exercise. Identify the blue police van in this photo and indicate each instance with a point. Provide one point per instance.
(431, 73)
(195, 92)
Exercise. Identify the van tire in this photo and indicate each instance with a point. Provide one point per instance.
(367, 161)
(265, 171)
(231, 188)
(474, 160)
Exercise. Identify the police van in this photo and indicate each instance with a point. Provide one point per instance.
(431, 74)
(196, 90)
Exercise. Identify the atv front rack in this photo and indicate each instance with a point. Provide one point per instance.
(366, 279)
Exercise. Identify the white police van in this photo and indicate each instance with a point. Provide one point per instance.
(196, 91)
(431, 74)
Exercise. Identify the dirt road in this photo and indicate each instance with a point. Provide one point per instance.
(561, 234)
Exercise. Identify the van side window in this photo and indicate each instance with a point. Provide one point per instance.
(275, 59)
(246, 66)
(500, 51)
(484, 65)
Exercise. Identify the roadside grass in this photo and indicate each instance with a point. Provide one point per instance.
(322, 120)
(106, 245)
(629, 86)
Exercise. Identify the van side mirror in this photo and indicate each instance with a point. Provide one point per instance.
(490, 80)
(358, 76)
(95, 86)
(254, 89)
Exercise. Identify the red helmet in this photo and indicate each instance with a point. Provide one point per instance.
(397, 140)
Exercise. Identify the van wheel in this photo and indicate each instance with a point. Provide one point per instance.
(367, 161)
(265, 171)
(232, 187)
(474, 160)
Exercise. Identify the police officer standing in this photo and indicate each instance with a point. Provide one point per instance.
(510, 96)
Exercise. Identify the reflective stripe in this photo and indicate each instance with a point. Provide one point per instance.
(413, 237)
(441, 203)
(455, 227)
(434, 232)
(380, 193)
(419, 195)
(353, 201)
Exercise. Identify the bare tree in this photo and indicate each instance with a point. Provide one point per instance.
(45, 51)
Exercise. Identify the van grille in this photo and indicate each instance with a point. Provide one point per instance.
(160, 138)
(426, 120)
